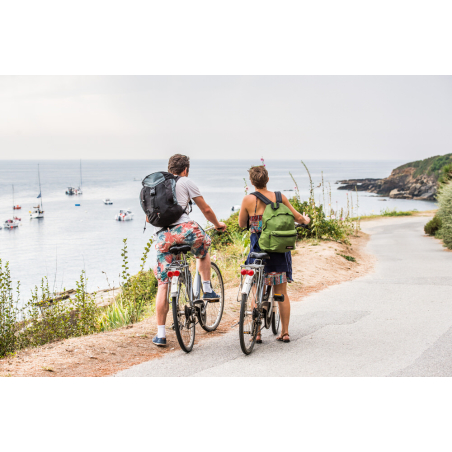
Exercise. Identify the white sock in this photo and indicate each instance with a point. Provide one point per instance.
(206, 288)
(161, 331)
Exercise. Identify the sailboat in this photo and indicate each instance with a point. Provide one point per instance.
(15, 207)
(78, 191)
(37, 212)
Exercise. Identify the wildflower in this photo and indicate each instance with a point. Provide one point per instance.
(214, 257)
(342, 219)
(333, 217)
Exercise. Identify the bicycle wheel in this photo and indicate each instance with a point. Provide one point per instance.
(213, 311)
(248, 323)
(276, 319)
(184, 318)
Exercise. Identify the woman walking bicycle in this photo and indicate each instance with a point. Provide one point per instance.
(278, 267)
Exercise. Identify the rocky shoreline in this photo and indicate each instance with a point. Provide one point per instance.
(401, 184)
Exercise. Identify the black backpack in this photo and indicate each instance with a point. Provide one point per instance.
(158, 199)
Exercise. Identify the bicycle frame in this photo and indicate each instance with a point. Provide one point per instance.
(258, 268)
(182, 267)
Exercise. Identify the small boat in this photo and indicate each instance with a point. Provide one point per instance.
(76, 191)
(15, 206)
(11, 224)
(37, 211)
(124, 215)
(108, 202)
(235, 208)
(17, 218)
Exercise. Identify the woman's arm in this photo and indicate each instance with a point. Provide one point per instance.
(299, 218)
(243, 214)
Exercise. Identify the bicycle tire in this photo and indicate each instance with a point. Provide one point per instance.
(276, 319)
(247, 329)
(185, 327)
(214, 311)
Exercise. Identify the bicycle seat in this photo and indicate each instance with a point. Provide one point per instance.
(259, 256)
(177, 249)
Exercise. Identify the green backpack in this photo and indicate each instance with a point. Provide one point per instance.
(278, 226)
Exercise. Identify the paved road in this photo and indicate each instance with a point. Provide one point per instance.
(396, 321)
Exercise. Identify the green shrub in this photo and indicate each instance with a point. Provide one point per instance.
(115, 316)
(446, 174)
(433, 226)
(233, 231)
(46, 318)
(138, 291)
(445, 213)
(8, 312)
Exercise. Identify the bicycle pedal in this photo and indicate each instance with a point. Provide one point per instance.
(200, 302)
(278, 297)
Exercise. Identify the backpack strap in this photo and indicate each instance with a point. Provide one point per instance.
(266, 201)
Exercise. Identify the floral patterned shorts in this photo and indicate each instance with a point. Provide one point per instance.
(189, 233)
(274, 278)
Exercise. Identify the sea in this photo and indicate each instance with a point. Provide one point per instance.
(87, 237)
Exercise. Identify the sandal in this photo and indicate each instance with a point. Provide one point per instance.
(280, 338)
(288, 337)
(259, 341)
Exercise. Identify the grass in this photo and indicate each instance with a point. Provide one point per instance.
(387, 213)
(349, 258)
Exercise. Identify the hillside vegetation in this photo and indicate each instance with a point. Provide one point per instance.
(429, 167)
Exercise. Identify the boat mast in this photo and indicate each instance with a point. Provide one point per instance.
(80, 173)
(40, 192)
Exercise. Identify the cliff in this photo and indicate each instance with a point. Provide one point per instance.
(414, 180)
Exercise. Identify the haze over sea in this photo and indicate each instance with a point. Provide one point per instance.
(70, 239)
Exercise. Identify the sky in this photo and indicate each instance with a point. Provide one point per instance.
(225, 117)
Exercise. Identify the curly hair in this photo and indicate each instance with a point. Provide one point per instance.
(177, 163)
(258, 176)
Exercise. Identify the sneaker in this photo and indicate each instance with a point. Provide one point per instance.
(160, 341)
(211, 296)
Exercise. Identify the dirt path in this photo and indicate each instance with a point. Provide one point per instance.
(316, 266)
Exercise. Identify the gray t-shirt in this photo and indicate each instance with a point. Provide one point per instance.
(186, 189)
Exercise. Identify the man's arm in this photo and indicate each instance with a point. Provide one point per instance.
(209, 213)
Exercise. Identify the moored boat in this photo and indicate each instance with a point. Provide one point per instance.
(37, 211)
(108, 202)
(124, 215)
(11, 224)
(15, 206)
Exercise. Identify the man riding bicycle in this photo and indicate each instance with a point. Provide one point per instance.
(183, 231)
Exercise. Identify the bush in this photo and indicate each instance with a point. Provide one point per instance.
(233, 231)
(8, 312)
(44, 318)
(48, 319)
(433, 226)
(136, 296)
(446, 174)
(445, 213)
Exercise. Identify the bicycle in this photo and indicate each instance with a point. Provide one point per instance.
(187, 306)
(258, 307)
